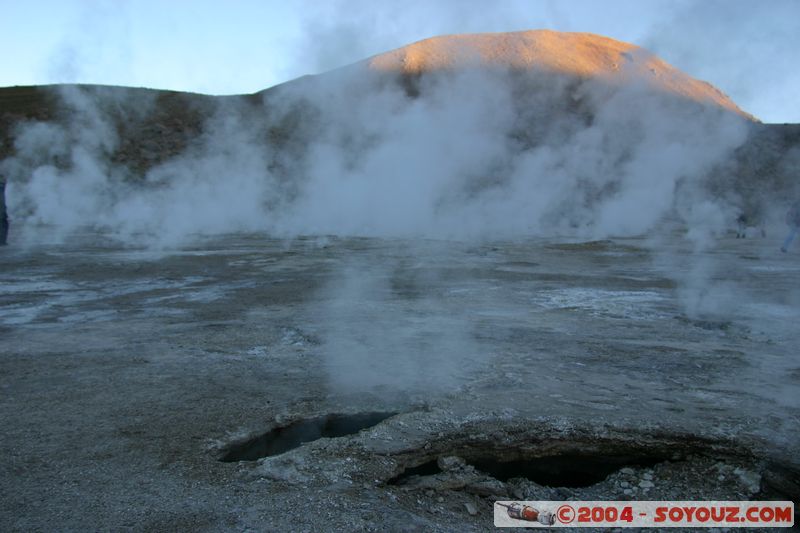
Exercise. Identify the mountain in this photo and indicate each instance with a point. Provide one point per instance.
(581, 55)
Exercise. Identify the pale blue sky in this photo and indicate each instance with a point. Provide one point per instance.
(747, 48)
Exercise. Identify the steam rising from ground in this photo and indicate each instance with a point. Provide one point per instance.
(378, 337)
(475, 154)
(478, 153)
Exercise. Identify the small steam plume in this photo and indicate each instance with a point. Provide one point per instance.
(388, 334)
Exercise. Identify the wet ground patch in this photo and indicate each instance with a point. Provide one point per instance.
(605, 245)
(288, 437)
(707, 324)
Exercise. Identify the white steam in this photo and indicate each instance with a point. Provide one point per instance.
(379, 338)
(477, 154)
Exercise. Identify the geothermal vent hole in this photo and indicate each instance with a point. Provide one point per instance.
(572, 471)
(291, 436)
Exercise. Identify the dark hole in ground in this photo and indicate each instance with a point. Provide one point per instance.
(563, 470)
(425, 469)
(779, 482)
(294, 435)
(557, 471)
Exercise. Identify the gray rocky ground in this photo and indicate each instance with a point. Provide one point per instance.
(543, 369)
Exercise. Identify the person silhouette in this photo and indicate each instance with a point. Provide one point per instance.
(3, 214)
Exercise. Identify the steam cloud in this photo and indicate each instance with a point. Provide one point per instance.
(474, 154)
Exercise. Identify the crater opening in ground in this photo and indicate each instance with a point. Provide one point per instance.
(282, 439)
(572, 471)
(431, 468)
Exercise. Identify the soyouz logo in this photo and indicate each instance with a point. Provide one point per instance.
(693, 514)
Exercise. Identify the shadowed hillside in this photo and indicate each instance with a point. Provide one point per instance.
(152, 125)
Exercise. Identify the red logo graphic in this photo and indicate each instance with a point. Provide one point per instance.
(565, 514)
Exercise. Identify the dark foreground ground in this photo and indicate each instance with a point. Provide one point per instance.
(637, 370)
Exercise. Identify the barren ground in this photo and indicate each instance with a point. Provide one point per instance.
(127, 375)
